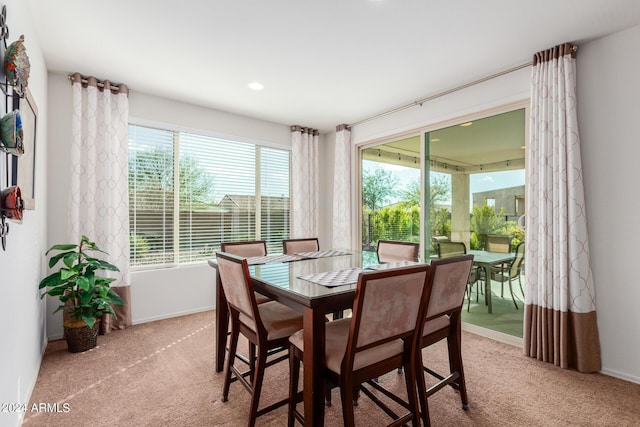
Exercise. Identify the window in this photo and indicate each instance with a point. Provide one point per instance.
(188, 193)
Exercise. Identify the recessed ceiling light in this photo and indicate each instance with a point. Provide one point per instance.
(256, 86)
(466, 124)
(523, 147)
(435, 140)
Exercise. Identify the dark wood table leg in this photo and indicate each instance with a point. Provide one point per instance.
(313, 358)
(222, 324)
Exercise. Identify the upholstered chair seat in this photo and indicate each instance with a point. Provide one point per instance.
(336, 344)
(436, 324)
(278, 320)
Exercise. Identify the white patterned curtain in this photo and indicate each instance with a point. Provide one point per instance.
(342, 189)
(304, 182)
(99, 194)
(560, 313)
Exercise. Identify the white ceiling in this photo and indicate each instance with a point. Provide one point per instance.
(322, 62)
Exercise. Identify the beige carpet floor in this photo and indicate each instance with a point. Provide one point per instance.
(161, 374)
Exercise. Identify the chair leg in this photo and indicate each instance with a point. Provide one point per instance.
(257, 384)
(233, 344)
(422, 392)
(512, 296)
(411, 381)
(252, 361)
(347, 396)
(455, 364)
(520, 283)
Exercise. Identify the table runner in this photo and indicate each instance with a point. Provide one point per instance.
(322, 254)
(272, 258)
(334, 278)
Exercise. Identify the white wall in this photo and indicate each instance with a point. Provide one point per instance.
(22, 319)
(159, 293)
(608, 73)
(608, 109)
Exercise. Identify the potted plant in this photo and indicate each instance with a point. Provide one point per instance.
(84, 295)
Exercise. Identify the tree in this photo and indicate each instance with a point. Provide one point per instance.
(411, 195)
(377, 186)
(484, 221)
(151, 180)
(439, 189)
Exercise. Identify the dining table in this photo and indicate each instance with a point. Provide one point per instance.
(315, 284)
(488, 260)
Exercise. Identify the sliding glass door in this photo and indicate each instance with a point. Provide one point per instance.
(391, 192)
(459, 182)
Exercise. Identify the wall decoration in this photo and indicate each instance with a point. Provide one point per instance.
(11, 133)
(11, 207)
(23, 170)
(17, 65)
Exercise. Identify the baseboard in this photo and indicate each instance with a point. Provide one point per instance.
(170, 315)
(620, 375)
(518, 342)
(494, 335)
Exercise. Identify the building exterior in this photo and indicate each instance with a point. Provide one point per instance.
(510, 199)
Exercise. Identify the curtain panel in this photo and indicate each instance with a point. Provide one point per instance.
(560, 303)
(342, 189)
(99, 193)
(304, 182)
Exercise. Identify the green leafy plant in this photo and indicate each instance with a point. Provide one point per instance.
(485, 221)
(83, 294)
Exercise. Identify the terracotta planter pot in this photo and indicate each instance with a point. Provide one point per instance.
(80, 337)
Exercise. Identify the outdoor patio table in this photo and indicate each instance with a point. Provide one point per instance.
(487, 260)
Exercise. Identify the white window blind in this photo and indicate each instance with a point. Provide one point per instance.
(151, 193)
(274, 202)
(221, 191)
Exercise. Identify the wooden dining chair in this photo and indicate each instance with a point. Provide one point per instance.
(382, 335)
(391, 251)
(294, 246)
(266, 326)
(454, 249)
(448, 278)
(247, 249)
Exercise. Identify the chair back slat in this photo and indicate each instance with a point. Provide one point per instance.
(388, 304)
(390, 251)
(449, 283)
(449, 249)
(496, 243)
(245, 249)
(293, 246)
(238, 289)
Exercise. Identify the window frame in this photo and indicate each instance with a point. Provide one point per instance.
(258, 145)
